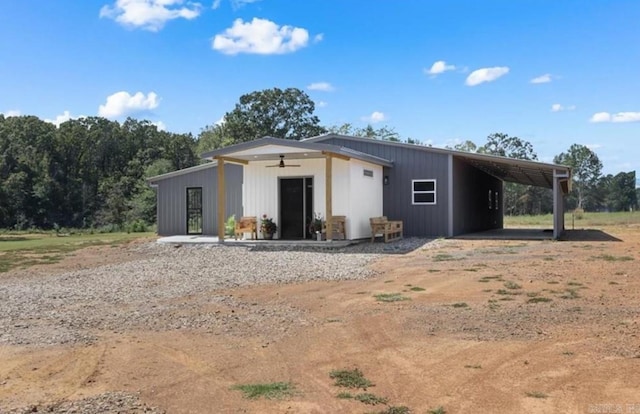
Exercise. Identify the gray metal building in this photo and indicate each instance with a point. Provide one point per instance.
(186, 199)
(435, 192)
(468, 187)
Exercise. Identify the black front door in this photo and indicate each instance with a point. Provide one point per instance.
(295, 204)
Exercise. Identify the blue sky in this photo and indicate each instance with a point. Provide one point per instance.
(552, 72)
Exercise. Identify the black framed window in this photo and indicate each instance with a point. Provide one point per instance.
(194, 210)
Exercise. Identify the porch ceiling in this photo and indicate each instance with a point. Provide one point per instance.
(268, 148)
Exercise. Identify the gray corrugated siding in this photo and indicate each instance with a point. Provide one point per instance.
(471, 212)
(172, 199)
(410, 164)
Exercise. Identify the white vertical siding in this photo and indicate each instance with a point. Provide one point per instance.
(365, 198)
(261, 194)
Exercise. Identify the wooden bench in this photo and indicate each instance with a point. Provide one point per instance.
(390, 229)
(338, 227)
(248, 224)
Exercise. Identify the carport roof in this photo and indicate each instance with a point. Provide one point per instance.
(513, 170)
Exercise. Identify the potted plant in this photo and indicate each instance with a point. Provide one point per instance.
(268, 227)
(316, 225)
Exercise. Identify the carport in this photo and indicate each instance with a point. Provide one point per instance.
(554, 176)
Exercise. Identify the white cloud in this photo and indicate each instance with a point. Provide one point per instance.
(321, 86)
(216, 4)
(150, 14)
(260, 36)
(375, 117)
(160, 125)
(546, 78)
(593, 146)
(558, 107)
(438, 68)
(236, 4)
(64, 117)
(11, 112)
(619, 117)
(322, 104)
(122, 103)
(479, 76)
(220, 121)
(318, 38)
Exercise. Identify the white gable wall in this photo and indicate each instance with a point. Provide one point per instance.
(355, 196)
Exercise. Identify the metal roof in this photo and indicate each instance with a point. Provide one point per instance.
(234, 150)
(513, 170)
(154, 180)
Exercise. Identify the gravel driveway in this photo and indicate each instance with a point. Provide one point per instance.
(170, 287)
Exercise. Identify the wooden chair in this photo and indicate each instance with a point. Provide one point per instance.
(248, 224)
(390, 229)
(338, 224)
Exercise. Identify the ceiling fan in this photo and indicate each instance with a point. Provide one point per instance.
(281, 164)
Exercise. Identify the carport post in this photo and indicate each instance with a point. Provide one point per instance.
(558, 204)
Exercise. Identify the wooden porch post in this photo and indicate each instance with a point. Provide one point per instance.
(221, 200)
(328, 196)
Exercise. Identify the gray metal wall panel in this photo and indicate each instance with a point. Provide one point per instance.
(172, 199)
(471, 202)
(409, 164)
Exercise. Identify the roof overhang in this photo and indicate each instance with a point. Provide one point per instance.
(507, 169)
(270, 149)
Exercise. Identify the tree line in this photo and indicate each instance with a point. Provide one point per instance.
(86, 173)
(91, 172)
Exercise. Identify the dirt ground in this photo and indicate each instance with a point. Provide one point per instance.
(499, 327)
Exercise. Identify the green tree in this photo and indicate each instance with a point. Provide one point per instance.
(273, 112)
(513, 147)
(621, 194)
(586, 170)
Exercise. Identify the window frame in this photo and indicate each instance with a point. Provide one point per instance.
(434, 192)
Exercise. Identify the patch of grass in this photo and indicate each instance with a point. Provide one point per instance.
(614, 283)
(460, 305)
(473, 366)
(370, 399)
(548, 259)
(511, 285)
(444, 257)
(390, 297)
(344, 395)
(532, 294)
(395, 409)
(333, 320)
(507, 298)
(611, 258)
(570, 294)
(568, 353)
(434, 270)
(408, 285)
(575, 309)
(574, 284)
(506, 292)
(487, 290)
(388, 281)
(417, 289)
(42, 249)
(487, 279)
(619, 273)
(553, 282)
(362, 292)
(270, 391)
(439, 410)
(536, 394)
(350, 378)
(471, 269)
(539, 299)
